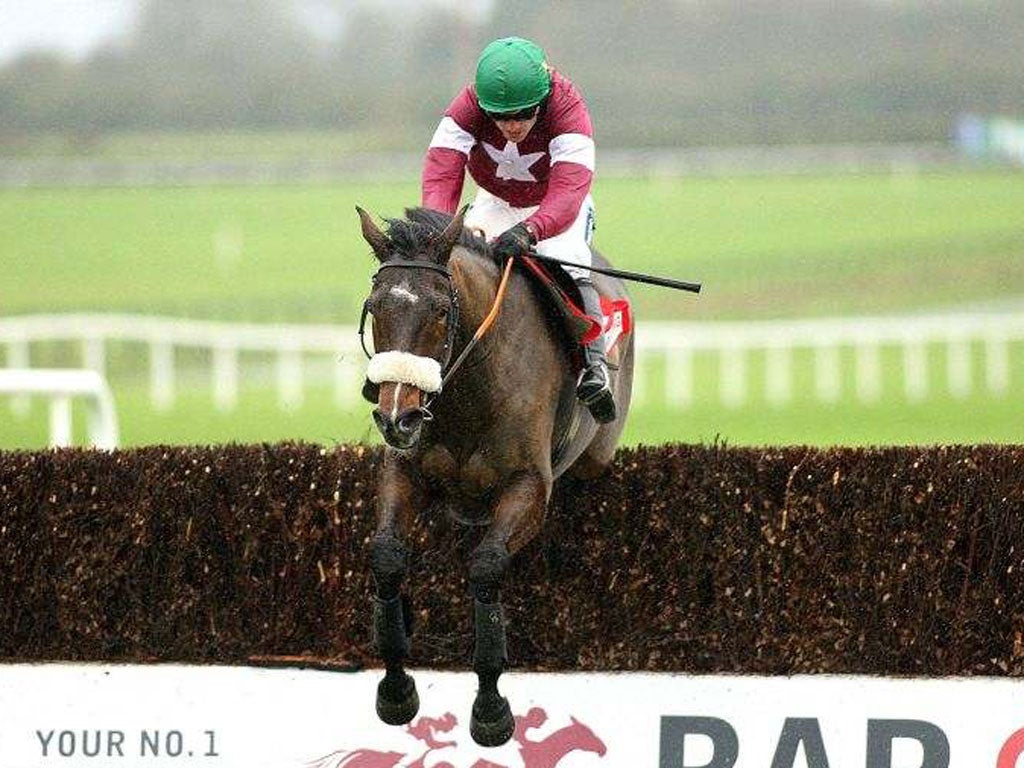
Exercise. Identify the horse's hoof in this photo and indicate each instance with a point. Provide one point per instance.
(492, 723)
(397, 708)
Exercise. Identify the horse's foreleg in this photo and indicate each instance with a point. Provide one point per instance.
(517, 519)
(398, 497)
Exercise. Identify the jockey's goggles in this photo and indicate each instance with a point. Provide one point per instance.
(523, 114)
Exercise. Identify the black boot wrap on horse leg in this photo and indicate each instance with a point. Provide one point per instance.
(397, 700)
(491, 651)
(389, 562)
(594, 388)
(390, 629)
(492, 723)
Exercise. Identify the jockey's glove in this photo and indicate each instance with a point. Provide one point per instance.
(515, 241)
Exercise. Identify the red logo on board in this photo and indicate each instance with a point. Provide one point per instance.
(546, 752)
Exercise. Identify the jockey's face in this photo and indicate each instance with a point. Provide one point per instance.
(516, 130)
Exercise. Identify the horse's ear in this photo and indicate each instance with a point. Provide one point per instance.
(372, 234)
(450, 236)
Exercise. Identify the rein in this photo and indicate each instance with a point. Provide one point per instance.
(453, 321)
(484, 327)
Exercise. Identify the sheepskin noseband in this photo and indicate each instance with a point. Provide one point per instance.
(424, 373)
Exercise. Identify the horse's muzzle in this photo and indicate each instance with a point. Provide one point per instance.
(402, 433)
(399, 415)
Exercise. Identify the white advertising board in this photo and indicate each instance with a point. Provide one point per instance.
(106, 716)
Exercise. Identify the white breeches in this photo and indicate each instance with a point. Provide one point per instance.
(493, 216)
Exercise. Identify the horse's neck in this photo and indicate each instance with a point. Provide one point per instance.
(507, 390)
(476, 279)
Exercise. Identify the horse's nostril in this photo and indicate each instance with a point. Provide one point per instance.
(410, 422)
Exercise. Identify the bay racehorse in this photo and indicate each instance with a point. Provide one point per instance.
(488, 445)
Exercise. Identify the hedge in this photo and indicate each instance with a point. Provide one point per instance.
(696, 558)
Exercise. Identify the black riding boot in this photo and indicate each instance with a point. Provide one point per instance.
(594, 387)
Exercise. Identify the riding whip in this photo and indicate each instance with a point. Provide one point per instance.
(637, 277)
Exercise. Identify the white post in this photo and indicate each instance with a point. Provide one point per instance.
(679, 379)
(827, 383)
(869, 372)
(289, 378)
(778, 382)
(958, 367)
(94, 354)
(640, 377)
(161, 375)
(225, 376)
(997, 365)
(915, 371)
(732, 384)
(18, 357)
(102, 415)
(60, 421)
(347, 384)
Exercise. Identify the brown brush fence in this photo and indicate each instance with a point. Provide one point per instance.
(691, 558)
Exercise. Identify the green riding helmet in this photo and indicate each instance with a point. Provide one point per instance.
(511, 75)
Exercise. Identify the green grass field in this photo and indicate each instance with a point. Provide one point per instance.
(763, 247)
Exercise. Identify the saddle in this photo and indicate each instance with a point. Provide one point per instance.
(558, 291)
(564, 298)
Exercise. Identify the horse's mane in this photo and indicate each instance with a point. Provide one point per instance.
(413, 234)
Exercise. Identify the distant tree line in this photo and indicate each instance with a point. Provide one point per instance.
(657, 72)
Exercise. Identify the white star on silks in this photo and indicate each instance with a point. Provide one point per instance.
(512, 165)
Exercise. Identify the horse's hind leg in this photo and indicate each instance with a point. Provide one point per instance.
(398, 497)
(517, 519)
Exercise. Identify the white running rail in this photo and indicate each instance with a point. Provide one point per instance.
(832, 342)
(60, 386)
(164, 336)
(735, 342)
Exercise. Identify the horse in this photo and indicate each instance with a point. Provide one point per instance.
(487, 446)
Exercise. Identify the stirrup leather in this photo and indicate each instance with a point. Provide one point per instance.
(594, 386)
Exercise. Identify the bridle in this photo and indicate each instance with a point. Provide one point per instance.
(448, 367)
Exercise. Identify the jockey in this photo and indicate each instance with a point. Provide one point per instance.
(524, 133)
